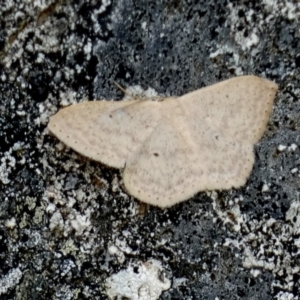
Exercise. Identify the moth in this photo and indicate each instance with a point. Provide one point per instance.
(171, 149)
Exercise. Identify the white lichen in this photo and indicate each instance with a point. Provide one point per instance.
(140, 281)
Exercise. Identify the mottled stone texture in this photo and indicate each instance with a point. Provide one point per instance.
(60, 214)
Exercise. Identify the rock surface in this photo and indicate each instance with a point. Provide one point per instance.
(67, 224)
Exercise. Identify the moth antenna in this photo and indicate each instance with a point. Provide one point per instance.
(124, 91)
(120, 87)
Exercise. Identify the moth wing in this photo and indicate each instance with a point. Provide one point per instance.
(239, 107)
(106, 131)
(174, 163)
